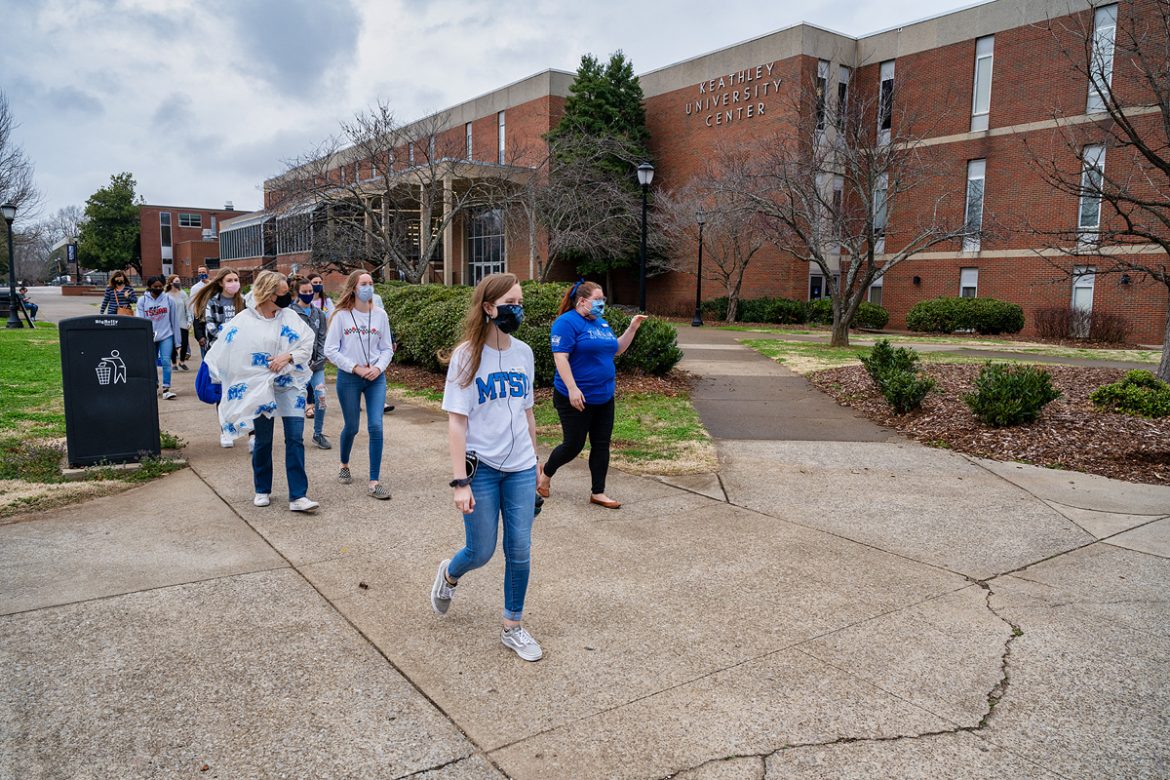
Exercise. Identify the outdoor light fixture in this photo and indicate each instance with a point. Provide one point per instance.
(1125, 279)
(917, 280)
(8, 210)
(645, 176)
(697, 321)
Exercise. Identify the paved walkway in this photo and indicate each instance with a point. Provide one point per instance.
(862, 609)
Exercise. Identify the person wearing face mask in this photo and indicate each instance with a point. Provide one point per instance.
(160, 309)
(584, 348)
(200, 283)
(360, 345)
(488, 399)
(120, 296)
(216, 304)
(315, 393)
(321, 299)
(182, 351)
(262, 362)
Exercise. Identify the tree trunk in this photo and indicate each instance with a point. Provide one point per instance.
(1164, 365)
(840, 337)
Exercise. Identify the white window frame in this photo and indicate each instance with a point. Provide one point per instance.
(501, 136)
(1092, 165)
(1101, 57)
(467, 134)
(885, 112)
(969, 280)
(876, 285)
(822, 94)
(976, 187)
(881, 205)
(844, 76)
(984, 64)
(167, 243)
(190, 220)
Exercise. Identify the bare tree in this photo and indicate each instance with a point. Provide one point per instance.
(16, 176)
(825, 189)
(733, 231)
(1117, 164)
(64, 224)
(395, 188)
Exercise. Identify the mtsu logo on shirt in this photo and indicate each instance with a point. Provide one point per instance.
(502, 384)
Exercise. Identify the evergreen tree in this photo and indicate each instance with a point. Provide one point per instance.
(602, 137)
(108, 239)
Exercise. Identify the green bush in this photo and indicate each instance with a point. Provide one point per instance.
(1010, 395)
(884, 358)
(905, 390)
(715, 308)
(870, 316)
(655, 348)
(987, 316)
(820, 312)
(1139, 393)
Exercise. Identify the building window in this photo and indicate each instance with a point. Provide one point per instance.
(843, 76)
(886, 102)
(1082, 300)
(875, 291)
(1101, 57)
(485, 244)
(981, 102)
(822, 92)
(190, 220)
(968, 282)
(164, 226)
(431, 148)
(500, 136)
(880, 214)
(973, 221)
(1092, 177)
(467, 132)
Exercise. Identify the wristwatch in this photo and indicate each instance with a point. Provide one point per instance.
(460, 482)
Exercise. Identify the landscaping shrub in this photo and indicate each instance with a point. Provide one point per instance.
(820, 312)
(654, 351)
(786, 311)
(987, 316)
(1055, 322)
(1109, 328)
(870, 316)
(1010, 395)
(1139, 393)
(895, 372)
(715, 308)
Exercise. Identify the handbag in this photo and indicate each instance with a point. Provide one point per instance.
(125, 311)
(208, 392)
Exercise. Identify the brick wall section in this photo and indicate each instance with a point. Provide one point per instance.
(151, 233)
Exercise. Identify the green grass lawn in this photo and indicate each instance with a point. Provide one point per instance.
(30, 383)
(805, 357)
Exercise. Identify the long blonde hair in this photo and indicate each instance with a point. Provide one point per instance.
(476, 325)
(213, 288)
(265, 285)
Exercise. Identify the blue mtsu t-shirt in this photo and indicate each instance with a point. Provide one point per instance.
(591, 346)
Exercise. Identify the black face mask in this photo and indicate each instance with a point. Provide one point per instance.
(508, 317)
(283, 301)
(318, 288)
(156, 291)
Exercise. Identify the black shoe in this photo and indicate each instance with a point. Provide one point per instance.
(387, 408)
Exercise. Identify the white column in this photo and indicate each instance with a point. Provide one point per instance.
(448, 234)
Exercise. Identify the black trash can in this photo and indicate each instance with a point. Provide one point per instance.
(109, 378)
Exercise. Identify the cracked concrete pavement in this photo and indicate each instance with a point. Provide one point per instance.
(818, 609)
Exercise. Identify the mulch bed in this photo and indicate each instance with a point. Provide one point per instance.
(1071, 432)
(675, 383)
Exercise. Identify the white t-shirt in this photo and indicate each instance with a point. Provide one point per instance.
(357, 339)
(496, 404)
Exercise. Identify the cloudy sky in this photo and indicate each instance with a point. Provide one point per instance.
(201, 101)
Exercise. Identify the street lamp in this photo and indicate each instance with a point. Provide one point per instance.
(698, 319)
(8, 211)
(645, 176)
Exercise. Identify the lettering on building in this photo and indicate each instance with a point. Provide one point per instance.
(739, 95)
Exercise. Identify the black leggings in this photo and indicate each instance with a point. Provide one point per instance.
(182, 351)
(596, 422)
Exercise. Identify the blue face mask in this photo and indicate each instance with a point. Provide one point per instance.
(203, 277)
(365, 292)
(305, 298)
(597, 308)
(508, 316)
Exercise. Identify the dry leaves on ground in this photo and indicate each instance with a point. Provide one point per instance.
(1071, 432)
(674, 383)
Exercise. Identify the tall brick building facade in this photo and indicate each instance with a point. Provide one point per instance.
(179, 239)
(997, 84)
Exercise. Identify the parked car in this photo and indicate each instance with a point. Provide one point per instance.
(65, 279)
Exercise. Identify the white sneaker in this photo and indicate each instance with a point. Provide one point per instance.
(522, 642)
(168, 394)
(303, 504)
(251, 443)
(442, 592)
(226, 441)
(261, 499)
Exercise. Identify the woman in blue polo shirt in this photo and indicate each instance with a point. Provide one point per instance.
(584, 347)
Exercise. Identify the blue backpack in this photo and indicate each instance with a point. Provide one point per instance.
(209, 392)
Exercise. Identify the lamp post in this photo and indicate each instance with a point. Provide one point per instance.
(645, 176)
(8, 211)
(698, 319)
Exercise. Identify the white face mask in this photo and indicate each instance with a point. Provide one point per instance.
(365, 292)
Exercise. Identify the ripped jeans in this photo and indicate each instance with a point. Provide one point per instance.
(315, 395)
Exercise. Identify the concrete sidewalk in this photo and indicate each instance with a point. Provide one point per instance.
(862, 609)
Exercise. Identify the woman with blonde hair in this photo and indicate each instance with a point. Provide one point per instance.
(262, 361)
(490, 426)
(359, 343)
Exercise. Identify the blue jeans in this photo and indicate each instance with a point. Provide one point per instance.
(513, 495)
(315, 395)
(294, 456)
(350, 390)
(163, 349)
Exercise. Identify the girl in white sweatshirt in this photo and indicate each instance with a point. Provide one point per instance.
(359, 344)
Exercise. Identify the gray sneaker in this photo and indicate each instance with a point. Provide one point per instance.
(343, 476)
(321, 442)
(522, 642)
(442, 592)
(380, 492)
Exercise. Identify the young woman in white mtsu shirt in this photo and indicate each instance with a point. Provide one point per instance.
(488, 400)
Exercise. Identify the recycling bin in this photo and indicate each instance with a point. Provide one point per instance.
(109, 380)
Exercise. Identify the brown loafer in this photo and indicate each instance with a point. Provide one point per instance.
(540, 491)
(606, 504)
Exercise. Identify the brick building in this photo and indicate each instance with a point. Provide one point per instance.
(995, 80)
(179, 239)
